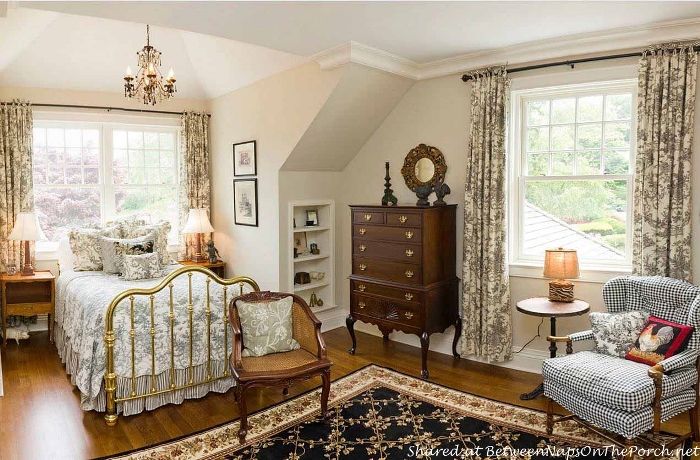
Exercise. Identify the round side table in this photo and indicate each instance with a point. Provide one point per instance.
(543, 307)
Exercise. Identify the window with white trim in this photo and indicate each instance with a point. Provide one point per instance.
(88, 174)
(573, 163)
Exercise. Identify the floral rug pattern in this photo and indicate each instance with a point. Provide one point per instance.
(383, 414)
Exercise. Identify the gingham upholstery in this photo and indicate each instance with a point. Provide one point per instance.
(617, 394)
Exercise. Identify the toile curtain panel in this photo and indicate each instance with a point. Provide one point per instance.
(16, 183)
(194, 174)
(662, 204)
(486, 313)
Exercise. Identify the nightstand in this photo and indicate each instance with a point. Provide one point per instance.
(219, 268)
(28, 296)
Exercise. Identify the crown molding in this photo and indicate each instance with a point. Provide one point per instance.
(636, 37)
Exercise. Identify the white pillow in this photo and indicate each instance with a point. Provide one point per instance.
(66, 258)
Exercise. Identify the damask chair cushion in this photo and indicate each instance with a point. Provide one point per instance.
(659, 340)
(614, 333)
(267, 327)
(613, 382)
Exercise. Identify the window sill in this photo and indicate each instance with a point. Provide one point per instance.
(589, 273)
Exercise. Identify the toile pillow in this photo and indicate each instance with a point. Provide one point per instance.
(160, 243)
(266, 327)
(113, 250)
(141, 267)
(614, 333)
(85, 246)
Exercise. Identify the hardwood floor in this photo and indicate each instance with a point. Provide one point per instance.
(40, 415)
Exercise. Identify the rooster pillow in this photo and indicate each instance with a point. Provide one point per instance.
(659, 340)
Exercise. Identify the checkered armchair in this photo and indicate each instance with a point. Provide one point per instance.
(622, 396)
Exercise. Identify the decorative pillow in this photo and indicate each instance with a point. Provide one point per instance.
(614, 333)
(85, 245)
(113, 250)
(267, 327)
(160, 245)
(141, 267)
(659, 339)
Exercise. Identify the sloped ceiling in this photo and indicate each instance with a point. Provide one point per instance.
(359, 103)
(53, 50)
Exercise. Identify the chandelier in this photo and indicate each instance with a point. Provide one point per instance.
(148, 85)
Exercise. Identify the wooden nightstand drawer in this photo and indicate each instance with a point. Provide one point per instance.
(29, 309)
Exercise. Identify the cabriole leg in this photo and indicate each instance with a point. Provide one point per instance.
(350, 323)
(424, 345)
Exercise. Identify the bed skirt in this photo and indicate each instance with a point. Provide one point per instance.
(143, 383)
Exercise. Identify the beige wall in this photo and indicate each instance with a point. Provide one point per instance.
(275, 112)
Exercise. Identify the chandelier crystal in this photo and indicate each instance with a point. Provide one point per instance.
(149, 85)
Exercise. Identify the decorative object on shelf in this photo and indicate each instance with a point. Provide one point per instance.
(313, 300)
(212, 252)
(245, 202)
(27, 229)
(302, 278)
(423, 170)
(150, 87)
(311, 218)
(314, 249)
(11, 269)
(300, 243)
(317, 276)
(296, 253)
(294, 222)
(388, 199)
(198, 223)
(319, 302)
(441, 190)
(561, 264)
(245, 160)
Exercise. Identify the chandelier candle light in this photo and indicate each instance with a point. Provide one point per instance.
(149, 85)
(27, 229)
(198, 223)
(561, 264)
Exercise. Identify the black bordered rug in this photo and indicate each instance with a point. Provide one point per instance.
(383, 414)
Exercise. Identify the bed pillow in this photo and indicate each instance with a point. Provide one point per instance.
(614, 333)
(141, 267)
(160, 244)
(85, 246)
(113, 250)
(266, 327)
(659, 339)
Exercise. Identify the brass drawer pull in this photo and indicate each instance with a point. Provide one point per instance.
(361, 288)
(362, 305)
(409, 252)
(409, 234)
(403, 219)
(409, 296)
(409, 274)
(362, 231)
(368, 217)
(362, 248)
(363, 267)
(408, 315)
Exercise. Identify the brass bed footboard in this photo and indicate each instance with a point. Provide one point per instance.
(110, 378)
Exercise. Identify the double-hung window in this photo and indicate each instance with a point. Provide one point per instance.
(87, 174)
(573, 162)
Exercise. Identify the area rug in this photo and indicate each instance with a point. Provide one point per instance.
(383, 414)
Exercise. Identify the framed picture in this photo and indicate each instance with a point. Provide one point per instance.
(245, 202)
(245, 161)
(300, 242)
(311, 218)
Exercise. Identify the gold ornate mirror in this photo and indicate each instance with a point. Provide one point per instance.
(424, 165)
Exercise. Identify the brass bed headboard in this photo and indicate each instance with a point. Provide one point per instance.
(110, 377)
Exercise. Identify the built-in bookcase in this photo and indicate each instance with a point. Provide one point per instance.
(322, 235)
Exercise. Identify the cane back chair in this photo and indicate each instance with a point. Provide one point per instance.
(279, 369)
(625, 397)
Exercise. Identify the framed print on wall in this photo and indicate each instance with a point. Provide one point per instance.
(245, 162)
(245, 202)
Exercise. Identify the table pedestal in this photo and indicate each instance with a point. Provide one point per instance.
(552, 354)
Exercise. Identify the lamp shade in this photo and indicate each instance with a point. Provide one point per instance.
(198, 222)
(561, 263)
(27, 228)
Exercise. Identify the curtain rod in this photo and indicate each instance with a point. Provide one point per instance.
(570, 63)
(109, 109)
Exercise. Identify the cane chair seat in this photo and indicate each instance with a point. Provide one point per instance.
(287, 360)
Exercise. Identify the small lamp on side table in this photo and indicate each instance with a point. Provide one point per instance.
(27, 229)
(198, 223)
(562, 265)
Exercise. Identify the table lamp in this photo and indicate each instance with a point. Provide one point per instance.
(27, 229)
(561, 264)
(198, 223)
